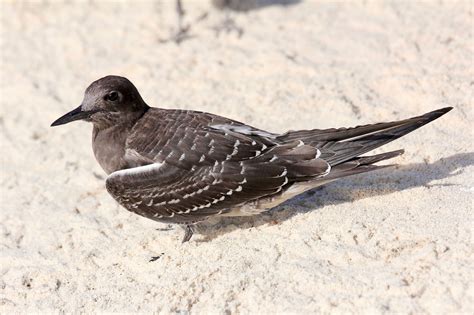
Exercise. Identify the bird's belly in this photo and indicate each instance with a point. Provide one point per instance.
(264, 204)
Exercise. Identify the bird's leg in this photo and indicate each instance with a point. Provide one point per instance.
(189, 229)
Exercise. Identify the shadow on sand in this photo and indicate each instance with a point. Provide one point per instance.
(377, 183)
(248, 5)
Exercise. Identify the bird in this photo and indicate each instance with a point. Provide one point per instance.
(183, 167)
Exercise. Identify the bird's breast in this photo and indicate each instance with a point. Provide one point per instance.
(109, 148)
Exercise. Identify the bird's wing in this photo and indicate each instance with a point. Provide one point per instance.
(188, 138)
(200, 169)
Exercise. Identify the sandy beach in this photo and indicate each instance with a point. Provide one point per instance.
(397, 240)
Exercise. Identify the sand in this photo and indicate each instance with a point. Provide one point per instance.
(394, 241)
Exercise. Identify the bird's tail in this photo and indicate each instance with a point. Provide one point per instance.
(340, 145)
(342, 148)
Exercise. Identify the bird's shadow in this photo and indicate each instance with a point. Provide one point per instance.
(382, 182)
(248, 5)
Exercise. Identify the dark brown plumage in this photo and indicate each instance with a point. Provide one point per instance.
(182, 166)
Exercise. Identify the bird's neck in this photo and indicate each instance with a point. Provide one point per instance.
(108, 142)
(108, 145)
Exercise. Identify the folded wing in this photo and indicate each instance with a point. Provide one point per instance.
(197, 170)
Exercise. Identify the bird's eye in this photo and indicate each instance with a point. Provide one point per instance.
(112, 96)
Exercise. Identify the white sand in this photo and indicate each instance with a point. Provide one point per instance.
(399, 240)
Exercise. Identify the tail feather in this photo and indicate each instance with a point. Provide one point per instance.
(337, 173)
(338, 134)
(361, 165)
(340, 145)
(367, 160)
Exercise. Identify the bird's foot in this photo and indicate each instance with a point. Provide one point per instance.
(189, 230)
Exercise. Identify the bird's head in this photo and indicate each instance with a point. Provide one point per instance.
(108, 101)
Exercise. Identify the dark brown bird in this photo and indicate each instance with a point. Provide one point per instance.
(183, 166)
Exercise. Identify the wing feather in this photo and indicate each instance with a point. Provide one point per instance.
(197, 170)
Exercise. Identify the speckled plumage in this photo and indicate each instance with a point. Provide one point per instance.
(182, 166)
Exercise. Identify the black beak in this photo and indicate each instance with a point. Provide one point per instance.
(75, 114)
